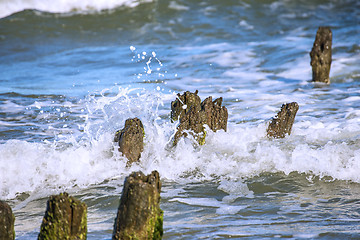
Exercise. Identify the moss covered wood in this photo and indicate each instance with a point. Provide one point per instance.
(7, 220)
(65, 218)
(139, 215)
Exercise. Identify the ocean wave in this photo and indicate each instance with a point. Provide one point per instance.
(83, 158)
(8, 7)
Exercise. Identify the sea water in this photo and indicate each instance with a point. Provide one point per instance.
(72, 72)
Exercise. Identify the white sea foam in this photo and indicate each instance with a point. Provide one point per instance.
(174, 5)
(8, 7)
(28, 167)
(299, 69)
(11, 107)
(221, 207)
(246, 25)
(235, 189)
(82, 158)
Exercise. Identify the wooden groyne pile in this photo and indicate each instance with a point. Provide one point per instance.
(7, 221)
(321, 55)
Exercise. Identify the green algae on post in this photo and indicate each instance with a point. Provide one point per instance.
(139, 215)
(7, 220)
(65, 218)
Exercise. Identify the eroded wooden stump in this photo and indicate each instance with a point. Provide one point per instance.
(194, 114)
(184, 103)
(283, 121)
(321, 55)
(7, 220)
(139, 215)
(194, 121)
(216, 115)
(131, 140)
(65, 218)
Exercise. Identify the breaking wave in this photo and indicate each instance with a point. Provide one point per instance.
(9, 7)
(86, 157)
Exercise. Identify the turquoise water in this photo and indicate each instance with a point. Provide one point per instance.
(71, 73)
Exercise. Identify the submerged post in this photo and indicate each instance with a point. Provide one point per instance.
(7, 221)
(139, 215)
(321, 55)
(65, 218)
(131, 139)
(283, 121)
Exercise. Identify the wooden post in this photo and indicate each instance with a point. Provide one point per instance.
(321, 55)
(65, 218)
(194, 114)
(7, 221)
(131, 140)
(139, 215)
(283, 121)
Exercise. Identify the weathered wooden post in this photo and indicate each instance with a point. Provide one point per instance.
(216, 115)
(321, 55)
(194, 114)
(7, 221)
(131, 140)
(184, 103)
(65, 218)
(139, 215)
(283, 121)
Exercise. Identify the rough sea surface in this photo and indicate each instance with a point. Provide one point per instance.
(72, 72)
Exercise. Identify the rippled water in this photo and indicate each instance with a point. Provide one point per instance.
(71, 73)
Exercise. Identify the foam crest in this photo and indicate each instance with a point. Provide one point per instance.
(339, 161)
(89, 156)
(75, 158)
(64, 6)
(36, 167)
(11, 107)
